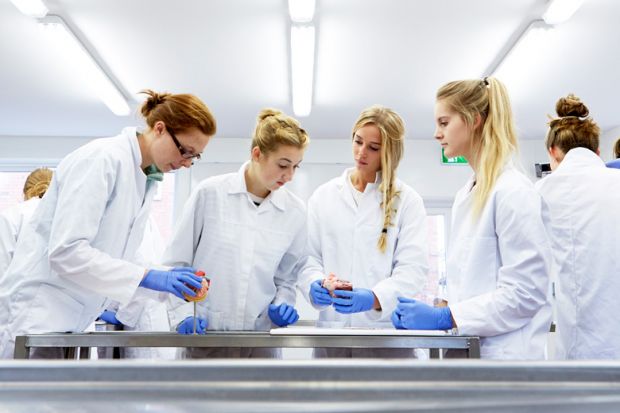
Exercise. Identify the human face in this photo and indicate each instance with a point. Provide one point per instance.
(172, 151)
(276, 168)
(367, 149)
(452, 132)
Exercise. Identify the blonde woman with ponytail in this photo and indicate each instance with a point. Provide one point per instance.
(584, 199)
(499, 254)
(78, 253)
(12, 219)
(247, 232)
(369, 228)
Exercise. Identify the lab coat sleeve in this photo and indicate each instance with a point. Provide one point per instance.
(181, 250)
(292, 261)
(8, 239)
(311, 269)
(523, 276)
(83, 194)
(410, 260)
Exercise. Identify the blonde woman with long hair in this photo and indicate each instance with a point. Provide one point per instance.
(12, 219)
(499, 253)
(369, 228)
(247, 232)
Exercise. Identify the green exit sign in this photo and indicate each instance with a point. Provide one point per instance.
(452, 161)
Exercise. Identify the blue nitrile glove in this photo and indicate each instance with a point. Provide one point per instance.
(187, 326)
(320, 295)
(283, 314)
(416, 315)
(356, 301)
(174, 281)
(109, 317)
(396, 321)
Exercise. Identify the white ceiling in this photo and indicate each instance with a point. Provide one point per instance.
(234, 54)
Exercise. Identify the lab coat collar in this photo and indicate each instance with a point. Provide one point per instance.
(277, 198)
(580, 158)
(345, 191)
(130, 134)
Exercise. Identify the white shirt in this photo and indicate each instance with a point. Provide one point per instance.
(11, 223)
(584, 200)
(75, 254)
(498, 269)
(343, 236)
(249, 252)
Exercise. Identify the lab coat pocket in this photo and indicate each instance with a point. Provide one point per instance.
(52, 310)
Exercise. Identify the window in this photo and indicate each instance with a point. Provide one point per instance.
(11, 188)
(163, 206)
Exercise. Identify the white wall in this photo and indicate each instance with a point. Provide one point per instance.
(608, 139)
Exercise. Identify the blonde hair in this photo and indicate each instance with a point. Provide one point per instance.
(274, 128)
(37, 183)
(495, 142)
(392, 130)
(573, 128)
(178, 112)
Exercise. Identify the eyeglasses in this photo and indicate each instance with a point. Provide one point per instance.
(184, 152)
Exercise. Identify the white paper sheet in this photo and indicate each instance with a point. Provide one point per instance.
(355, 331)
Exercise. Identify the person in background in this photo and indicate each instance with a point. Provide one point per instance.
(369, 228)
(616, 162)
(499, 257)
(247, 233)
(583, 197)
(77, 253)
(12, 219)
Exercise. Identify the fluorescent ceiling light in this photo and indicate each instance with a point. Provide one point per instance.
(301, 11)
(302, 67)
(519, 66)
(79, 59)
(560, 11)
(32, 8)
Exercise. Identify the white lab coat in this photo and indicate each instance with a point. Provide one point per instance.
(342, 238)
(250, 253)
(11, 223)
(584, 200)
(74, 255)
(143, 313)
(498, 269)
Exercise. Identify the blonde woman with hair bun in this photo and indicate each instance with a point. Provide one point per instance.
(12, 219)
(584, 198)
(77, 254)
(247, 232)
(499, 255)
(369, 228)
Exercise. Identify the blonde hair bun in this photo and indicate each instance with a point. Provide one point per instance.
(571, 105)
(267, 113)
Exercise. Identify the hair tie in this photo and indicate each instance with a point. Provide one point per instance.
(384, 230)
(485, 81)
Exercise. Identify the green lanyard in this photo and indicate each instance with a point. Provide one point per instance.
(153, 173)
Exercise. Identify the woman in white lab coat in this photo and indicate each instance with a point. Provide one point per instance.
(12, 219)
(369, 228)
(584, 198)
(616, 162)
(499, 254)
(77, 253)
(247, 232)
